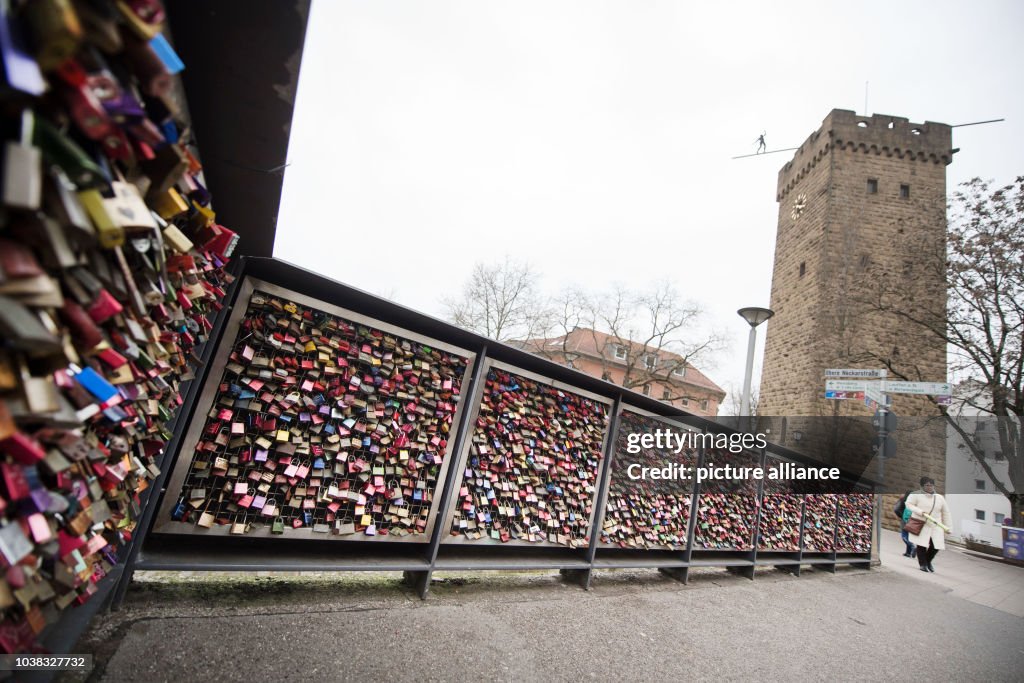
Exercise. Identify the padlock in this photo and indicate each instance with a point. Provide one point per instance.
(104, 307)
(40, 393)
(86, 334)
(144, 17)
(278, 526)
(59, 149)
(56, 31)
(121, 375)
(167, 55)
(206, 520)
(99, 22)
(169, 204)
(109, 233)
(152, 74)
(20, 69)
(219, 240)
(61, 202)
(102, 390)
(23, 170)
(165, 169)
(127, 209)
(23, 331)
(83, 104)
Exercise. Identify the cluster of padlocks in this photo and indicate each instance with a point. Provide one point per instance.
(111, 269)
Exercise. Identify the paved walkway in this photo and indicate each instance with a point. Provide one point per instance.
(633, 625)
(965, 575)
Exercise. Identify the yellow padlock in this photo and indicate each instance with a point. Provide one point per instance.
(169, 204)
(108, 232)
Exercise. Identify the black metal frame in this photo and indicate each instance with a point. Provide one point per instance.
(151, 550)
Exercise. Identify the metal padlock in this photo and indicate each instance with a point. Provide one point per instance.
(206, 520)
(56, 30)
(62, 203)
(40, 393)
(165, 169)
(23, 168)
(127, 208)
(99, 22)
(278, 526)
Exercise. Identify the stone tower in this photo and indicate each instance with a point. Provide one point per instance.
(861, 209)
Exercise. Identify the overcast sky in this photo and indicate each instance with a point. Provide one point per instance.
(594, 139)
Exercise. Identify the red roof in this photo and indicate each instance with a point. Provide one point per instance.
(590, 342)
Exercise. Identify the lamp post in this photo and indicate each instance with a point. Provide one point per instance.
(754, 317)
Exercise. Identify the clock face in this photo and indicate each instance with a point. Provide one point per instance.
(799, 204)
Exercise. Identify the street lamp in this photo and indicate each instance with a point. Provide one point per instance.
(754, 317)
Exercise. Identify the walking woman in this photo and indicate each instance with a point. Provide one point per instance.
(928, 536)
(904, 514)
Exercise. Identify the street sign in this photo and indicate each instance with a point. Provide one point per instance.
(918, 388)
(847, 385)
(944, 400)
(875, 396)
(856, 372)
(844, 395)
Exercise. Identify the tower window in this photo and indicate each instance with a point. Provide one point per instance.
(620, 351)
(647, 390)
(872, 185)
(803, 268)
(979, 484)
(666, 394)
(979, 515)
(904, 191)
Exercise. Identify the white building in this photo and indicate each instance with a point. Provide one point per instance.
(975, 504)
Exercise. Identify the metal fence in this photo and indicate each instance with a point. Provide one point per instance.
(333, 430)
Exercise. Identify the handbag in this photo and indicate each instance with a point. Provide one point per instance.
(914, 526)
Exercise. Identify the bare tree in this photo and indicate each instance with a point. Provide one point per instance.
(648, 336)
(500, 301)
(733, 405)
(640, 337)
(982, 324)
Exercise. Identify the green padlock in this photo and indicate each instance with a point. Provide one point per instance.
(278, 526)
(62, 151)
